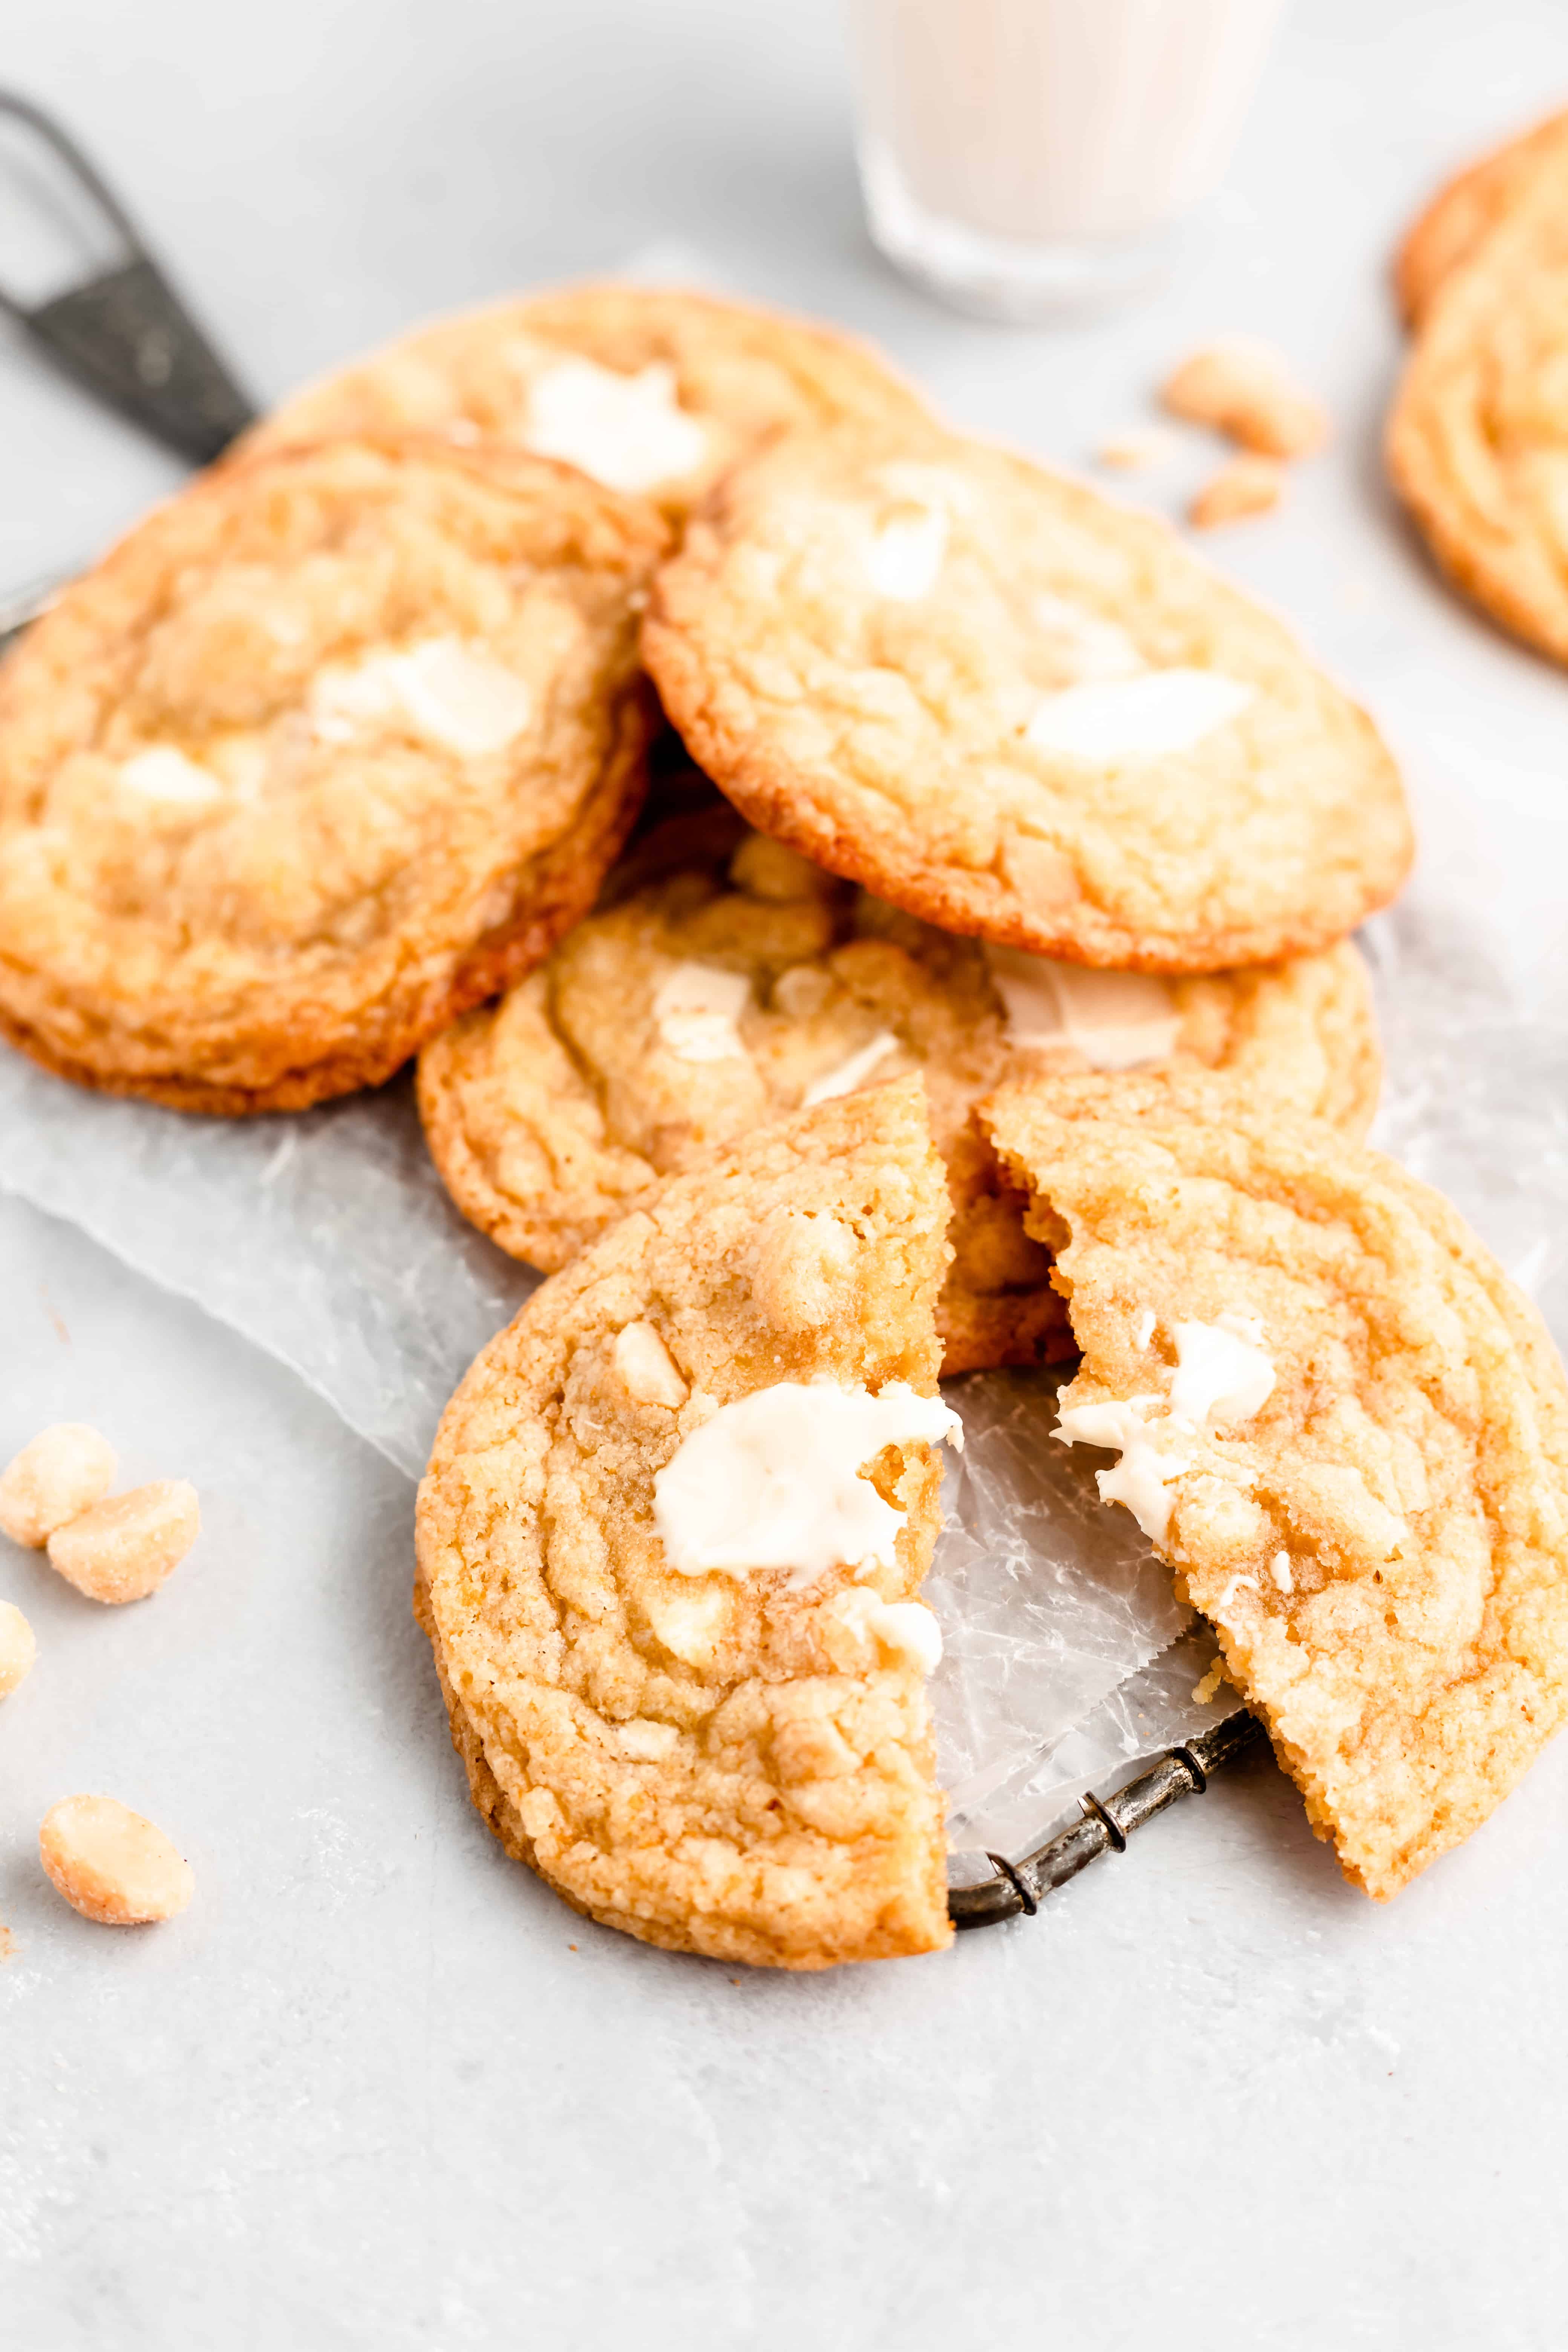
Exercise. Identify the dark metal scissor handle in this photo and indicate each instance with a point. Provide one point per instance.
(1107, 1825)
(124, 332)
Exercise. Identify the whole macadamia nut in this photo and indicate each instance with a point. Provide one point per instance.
(111, 1864)
(61, 1473)
(122, 1549)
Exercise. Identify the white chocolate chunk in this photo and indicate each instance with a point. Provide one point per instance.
(1221, 1377)
(163, 773)
(904, 559)
(111, 1864)
(64, 1468)
(1160, 712)
(1237, 1584)
(122, 1549)
(439, 690)
(695, 1009)
(1093, 649)
(1144, 1330)
(847, 1075)
(1145, 1477)
(644, 1364)
(1279, 1570)
(689, 1625)
(772, 1480)
(17, 1648)
(628, 432)
(1116, 1020)
(647, 1742)
(906, 1628)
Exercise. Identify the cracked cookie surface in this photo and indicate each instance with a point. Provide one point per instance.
(329, 749)
(650, 390)
(1017, 710)
(1341, 1424)
(553, 1112)
(716, 1763)
(1478, 437)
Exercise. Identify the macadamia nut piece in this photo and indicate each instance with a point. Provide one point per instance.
(63, 1471)
(110, 1864)
(17, 1648)
(1247, 486)
(122, 1549)
(1245, 390)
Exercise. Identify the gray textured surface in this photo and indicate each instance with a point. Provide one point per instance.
(365, 2093)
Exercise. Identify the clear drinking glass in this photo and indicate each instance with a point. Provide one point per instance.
(1021, 157)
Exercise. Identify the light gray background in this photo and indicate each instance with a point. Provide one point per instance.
(377, 2088)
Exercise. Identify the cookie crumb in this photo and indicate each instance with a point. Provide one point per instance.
(111, 1864)
(1136, 451)
(1209, 1686)
(7, 1946)
(1245, 390)
(17, 1648)
(1247, 485)
(66, 1468)
(122, 1549)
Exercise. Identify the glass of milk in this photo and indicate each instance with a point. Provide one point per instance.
(1023, 157)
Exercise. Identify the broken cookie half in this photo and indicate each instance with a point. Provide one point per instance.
(1340, 1422)
(676, 1626)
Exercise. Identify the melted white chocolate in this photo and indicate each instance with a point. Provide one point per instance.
(773, 1480)
(628, 432)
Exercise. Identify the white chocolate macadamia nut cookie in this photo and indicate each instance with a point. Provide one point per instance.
(332, 746)
(741, 983)
(1017, 710)
(1341, 1424)
(669, 1543)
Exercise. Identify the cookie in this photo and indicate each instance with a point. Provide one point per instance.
(1017, 710)
(727, 983)
(1454, 224)
(1342, 1425)
(330, 748)
(650, 391)
(676, 1698)
(1475, 441)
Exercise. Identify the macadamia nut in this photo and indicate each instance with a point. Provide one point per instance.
(1245, 390)
(110, 1864)
(122, 1549)
(1247, 486)
(17, 1648)
(63, 1472)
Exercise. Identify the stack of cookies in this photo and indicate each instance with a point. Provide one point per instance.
(977, 990)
